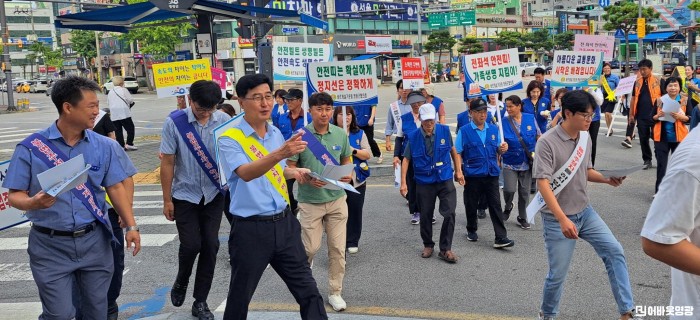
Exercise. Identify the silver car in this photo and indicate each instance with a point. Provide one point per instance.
(130, 84)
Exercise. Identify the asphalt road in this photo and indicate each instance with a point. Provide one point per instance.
(387, 277)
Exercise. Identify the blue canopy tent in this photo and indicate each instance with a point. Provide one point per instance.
(665, 36)
(122, 18)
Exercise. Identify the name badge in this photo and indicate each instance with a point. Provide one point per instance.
(95, 168)
(336, 147)
(438, 164)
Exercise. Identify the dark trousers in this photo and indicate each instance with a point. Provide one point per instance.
(227, 206)
(354, 226)
(290, 188)
(644, 129)
(474, 188)
(369, 131)
(630, 128)
(198, 230)
(115, 286)
(124, 124)
(254, 244)
(593, 133)
(427, 194)
(413, 205)
(662, 151)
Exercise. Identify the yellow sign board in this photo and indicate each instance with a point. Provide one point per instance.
(174, 78)
(641, 28)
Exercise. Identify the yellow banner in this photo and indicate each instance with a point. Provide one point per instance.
(181, 73)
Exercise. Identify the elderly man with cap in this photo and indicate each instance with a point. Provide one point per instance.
(410, 121)
(479, 146)
(429, 93)
(430, 153)
(290, 122)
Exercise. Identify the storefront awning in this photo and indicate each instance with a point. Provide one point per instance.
(122, 18)
(374, 56)
(668, 36)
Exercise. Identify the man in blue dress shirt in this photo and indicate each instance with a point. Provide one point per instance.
(263, 230)
(70, 236)
(191, 196)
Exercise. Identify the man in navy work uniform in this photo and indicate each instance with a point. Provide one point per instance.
(70, 236)
(431, 153)
(192, 197)
(263, 229)
(479, 145)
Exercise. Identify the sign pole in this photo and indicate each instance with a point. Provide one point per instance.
(305, 102)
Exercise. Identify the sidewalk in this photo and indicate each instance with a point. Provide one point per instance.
(276, 315)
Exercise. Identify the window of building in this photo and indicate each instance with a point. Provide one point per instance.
(511, 11)
(28, 19)
(24, 33)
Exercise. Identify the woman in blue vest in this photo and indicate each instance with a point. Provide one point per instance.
(365, 120)
(537, 104)
(479, 146)
(280, 107)
(520, 133)
(429, 94)
(410, 122)
(360, 155)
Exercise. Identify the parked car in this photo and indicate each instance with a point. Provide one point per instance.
(39, 86)
(3, 86)
(23, 86)
(528, 68)
(130, 84)
(614, 64)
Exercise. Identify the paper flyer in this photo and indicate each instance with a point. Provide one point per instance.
(224, 171)
(64, 177)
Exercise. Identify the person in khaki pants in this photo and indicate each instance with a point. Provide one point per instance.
(321, 208)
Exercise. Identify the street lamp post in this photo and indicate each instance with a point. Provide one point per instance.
(640, 42)
(6, 57)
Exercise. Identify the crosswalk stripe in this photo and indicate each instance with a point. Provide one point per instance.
(148, 193)
(15, 131)
(147, 240)
(20, 310)
(15, 135)
(15, 272)
(152, 220)
(10, 128)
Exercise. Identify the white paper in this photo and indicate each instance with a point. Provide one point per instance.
(64, 177)
(669, 105)
(224, 171)
(333, 184)
(397, 176)
(334, 172)
(619, 173)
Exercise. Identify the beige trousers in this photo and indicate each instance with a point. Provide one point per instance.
(333, 217)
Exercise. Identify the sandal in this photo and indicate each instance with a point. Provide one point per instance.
(427, 252)
(448, 256)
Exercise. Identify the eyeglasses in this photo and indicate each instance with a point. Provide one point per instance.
(259, 98)
(586, 116)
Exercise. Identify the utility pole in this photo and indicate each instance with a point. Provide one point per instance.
(6, 58)
(419, 11)
(640, 42)
(98, 63)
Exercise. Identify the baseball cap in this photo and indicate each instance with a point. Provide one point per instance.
(414, 97)
(427, 112)
(294, 94)
(430, 89)
(477, 105)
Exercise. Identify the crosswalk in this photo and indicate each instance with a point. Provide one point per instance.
(15, 272)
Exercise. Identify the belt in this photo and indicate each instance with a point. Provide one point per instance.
(75, 234)
(272, 218)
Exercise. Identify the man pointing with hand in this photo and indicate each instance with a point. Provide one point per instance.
(263, 229)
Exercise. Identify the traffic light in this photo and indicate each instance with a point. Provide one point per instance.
(244, 28)
(585, 8)
(19, 43)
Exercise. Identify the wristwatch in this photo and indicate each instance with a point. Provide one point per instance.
(131, 228)
(354, 152)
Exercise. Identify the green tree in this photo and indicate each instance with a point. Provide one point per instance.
(540, 39)
(158, 41)
(440, 41)
(564, 41)
(83, 43)
(470, 45)
(623, 16)
(509, 39)
(39, 51)
(54, 58)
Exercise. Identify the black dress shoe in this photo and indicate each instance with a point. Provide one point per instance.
(177, 294)
(506, 212)
(647, 165)
(200, 309)
(112, 311)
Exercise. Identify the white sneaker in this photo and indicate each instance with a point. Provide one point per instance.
(337, 302)
(380, 160)
(352, 250)
(130, 147)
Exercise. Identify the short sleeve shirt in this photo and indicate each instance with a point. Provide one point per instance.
(258, 196)
(190, 183)
(551, 152)
(674, 216)
(337, 143)
(68, 213)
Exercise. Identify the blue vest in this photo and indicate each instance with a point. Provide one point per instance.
(284, 123)
(363, 113)
(436, 103)
(464, 119)
(407, 126)
(542, 104)
(355, 142)
(479, 159)
(438, 168)
(516, 154)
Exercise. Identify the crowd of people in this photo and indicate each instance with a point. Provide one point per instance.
(547, 135)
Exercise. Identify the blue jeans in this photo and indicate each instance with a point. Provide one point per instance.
(560, 249)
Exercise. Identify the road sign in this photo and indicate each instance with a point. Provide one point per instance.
(619, 33)
(604, 3)
(290, 30)
(641, 28)
(451, 19)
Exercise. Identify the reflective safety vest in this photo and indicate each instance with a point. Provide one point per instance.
(516, 154)
(542, 104)
(479, 159)
(438, 168)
